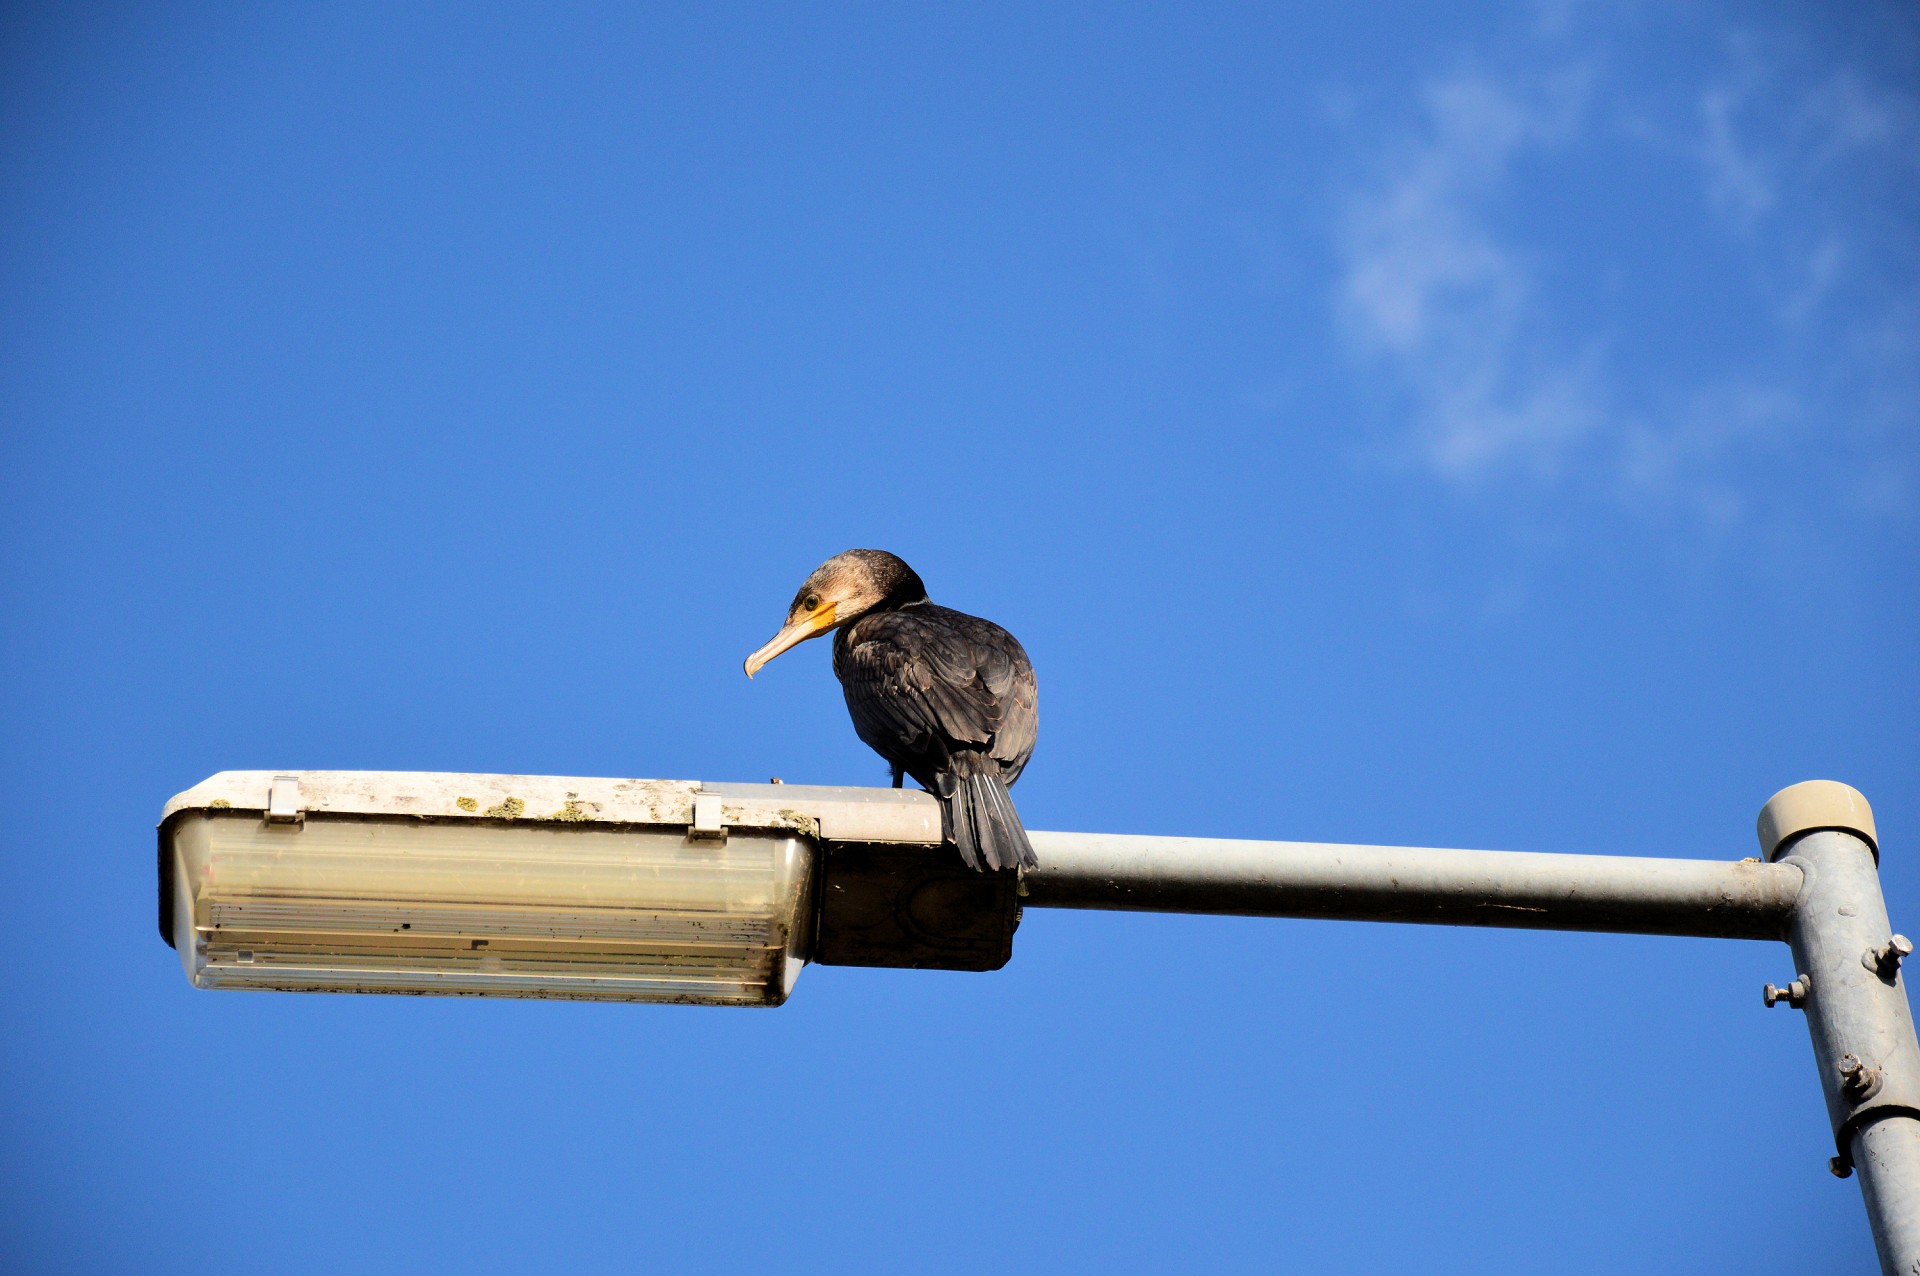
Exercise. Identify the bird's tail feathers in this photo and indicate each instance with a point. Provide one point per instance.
(979, 817)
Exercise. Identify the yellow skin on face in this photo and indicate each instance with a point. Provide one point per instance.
(801, 625)
(842, 589)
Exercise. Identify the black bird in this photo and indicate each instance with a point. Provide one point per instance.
(947, 698)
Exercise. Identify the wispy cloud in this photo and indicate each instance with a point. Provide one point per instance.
(1461, 299)
(1737, 178)
(1432, 291)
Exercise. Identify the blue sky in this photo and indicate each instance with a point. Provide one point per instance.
(1484, 428)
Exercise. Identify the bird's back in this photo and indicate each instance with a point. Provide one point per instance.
(926, 682)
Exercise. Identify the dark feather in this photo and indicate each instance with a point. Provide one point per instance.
(950, 699)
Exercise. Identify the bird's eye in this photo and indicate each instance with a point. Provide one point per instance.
(810, 602)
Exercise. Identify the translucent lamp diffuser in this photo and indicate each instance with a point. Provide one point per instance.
(507, 886)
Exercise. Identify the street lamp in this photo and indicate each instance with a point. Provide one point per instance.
(513, 886)
(650, 890)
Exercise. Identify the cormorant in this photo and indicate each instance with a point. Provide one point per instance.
(947, 698)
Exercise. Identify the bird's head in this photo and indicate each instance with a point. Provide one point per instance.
(839, 592)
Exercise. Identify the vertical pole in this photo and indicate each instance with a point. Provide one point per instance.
(1856, 1005)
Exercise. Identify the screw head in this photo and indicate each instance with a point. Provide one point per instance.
(1857, 1080)
(1885, 960)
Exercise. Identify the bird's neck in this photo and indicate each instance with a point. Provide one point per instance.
(906, 593)
(890, 603)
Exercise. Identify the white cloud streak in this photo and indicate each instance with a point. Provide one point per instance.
(1505, 385)
(1430, 288)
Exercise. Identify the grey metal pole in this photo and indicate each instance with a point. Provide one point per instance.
(1856, 1004)
(1744, 900)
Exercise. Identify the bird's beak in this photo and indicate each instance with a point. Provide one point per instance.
(796, 632)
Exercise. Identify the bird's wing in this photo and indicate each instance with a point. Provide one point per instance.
(1001, 665)
(911, 681)
(1019, 722)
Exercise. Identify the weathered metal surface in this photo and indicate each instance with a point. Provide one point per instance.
(1742, 900)
(912, 907)
(845, 814)
(1887, 1156)
(850, 814)
(451, 796)
(1862, 1030)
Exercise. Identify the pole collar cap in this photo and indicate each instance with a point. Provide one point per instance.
(1813, 805)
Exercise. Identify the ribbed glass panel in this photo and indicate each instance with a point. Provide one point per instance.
(514, 910)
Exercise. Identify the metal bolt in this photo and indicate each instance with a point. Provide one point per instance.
(1794, 994)
(1857, 1080)
(1885, 960)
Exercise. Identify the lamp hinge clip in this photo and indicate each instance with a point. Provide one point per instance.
(283, 801)
(707, 819)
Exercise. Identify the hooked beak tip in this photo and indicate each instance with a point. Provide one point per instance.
(791, 635)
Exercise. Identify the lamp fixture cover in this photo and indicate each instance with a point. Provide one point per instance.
(492, 885)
